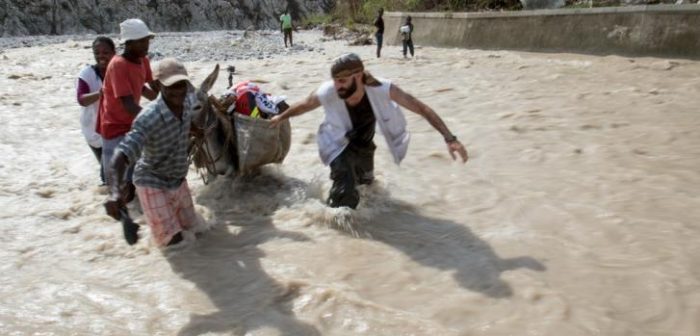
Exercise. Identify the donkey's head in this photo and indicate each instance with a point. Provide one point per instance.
(203, 108)
(211, 148)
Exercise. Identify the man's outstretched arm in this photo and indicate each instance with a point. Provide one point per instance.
(311, 102)
(413, 104)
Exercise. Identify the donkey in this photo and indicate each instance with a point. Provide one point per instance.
(233, 144)
(210, 148)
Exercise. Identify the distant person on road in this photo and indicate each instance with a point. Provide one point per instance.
(124, 83)
(379, 35)
(406, 36)
(286, 27)
(355, 102)
(89, 91)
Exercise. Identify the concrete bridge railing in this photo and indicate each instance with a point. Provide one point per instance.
(658, 30)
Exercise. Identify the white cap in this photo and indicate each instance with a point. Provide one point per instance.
(134, 29)
(170, 71)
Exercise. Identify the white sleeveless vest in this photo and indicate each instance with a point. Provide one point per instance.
(331, 134)
(88, 114)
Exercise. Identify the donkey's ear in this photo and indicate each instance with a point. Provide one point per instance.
(208, 82)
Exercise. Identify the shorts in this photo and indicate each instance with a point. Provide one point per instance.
(167, 211)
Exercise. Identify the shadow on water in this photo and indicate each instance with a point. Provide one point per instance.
(226, 266)
(225, 263)
(439, 243)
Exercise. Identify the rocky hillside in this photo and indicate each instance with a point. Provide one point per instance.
(39, 17)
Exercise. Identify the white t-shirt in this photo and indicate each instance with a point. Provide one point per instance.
(88, 114)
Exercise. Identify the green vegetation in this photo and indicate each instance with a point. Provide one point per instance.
(364, 11)
(353, 13)
(318, 19)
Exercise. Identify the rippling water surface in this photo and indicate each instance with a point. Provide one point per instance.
(577, 213)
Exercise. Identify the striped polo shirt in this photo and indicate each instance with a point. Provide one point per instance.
(159, 141)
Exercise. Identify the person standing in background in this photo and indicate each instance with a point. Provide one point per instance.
(379, 35)
(89, 90)
(406, 36)
(286, 26)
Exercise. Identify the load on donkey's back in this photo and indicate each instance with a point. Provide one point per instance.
(237, 138)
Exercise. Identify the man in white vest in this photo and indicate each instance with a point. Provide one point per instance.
(354, 102)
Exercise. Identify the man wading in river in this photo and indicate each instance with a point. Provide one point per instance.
(354, 102)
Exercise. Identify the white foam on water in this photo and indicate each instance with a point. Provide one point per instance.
(576, 215)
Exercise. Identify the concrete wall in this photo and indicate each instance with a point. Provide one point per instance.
(660, 30)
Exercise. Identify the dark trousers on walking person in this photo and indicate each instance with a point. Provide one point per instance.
(288, 35)
(98, 154)
(354, 166)
(407, 44)
(380, 39)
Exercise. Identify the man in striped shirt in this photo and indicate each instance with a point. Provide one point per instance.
(158, 142)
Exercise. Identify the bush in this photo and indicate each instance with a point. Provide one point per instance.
(317, 20)
(364, 11)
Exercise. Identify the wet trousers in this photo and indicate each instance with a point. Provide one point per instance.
(108, 148)
(168, 212)
(407, 44)
(354, 166)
